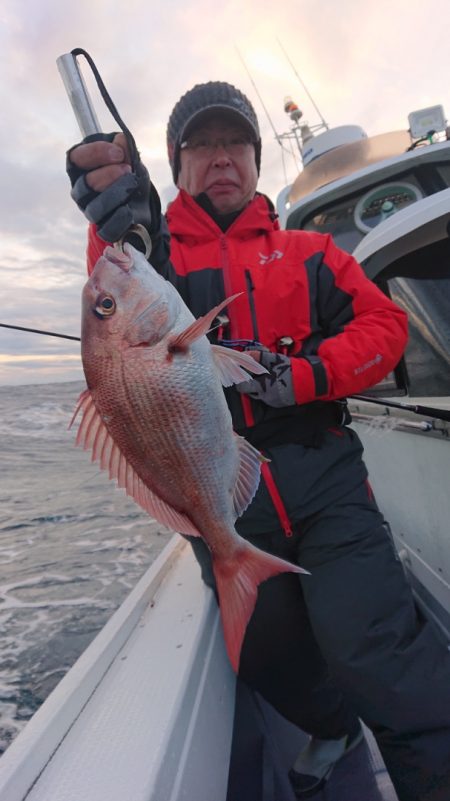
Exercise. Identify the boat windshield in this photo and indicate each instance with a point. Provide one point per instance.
(427, 303)
(346, 159)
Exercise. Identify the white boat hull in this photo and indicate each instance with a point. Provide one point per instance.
(127, 720)
(409, 471)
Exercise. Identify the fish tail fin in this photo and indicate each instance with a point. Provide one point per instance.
(237, 581)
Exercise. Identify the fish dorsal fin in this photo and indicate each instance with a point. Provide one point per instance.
(199, 327)
(234, 366)
(93, 435)
(248, 476)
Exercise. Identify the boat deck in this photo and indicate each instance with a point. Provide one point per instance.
(152, 712)
(265, 747)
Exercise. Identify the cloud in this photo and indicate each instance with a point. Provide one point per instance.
(369, 64)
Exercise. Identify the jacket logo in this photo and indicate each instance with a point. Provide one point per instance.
(376, 360)
(277, 254)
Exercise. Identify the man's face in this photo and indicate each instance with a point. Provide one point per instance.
(228, 177)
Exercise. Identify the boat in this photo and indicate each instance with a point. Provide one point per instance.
(386, 200)
(152, 711)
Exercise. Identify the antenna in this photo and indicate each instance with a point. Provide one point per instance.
(300, 132)
(278, 137)
(325, 125)
(256, 90)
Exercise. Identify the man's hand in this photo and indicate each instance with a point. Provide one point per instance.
(104, 187)
(102, 162)
(274, 387)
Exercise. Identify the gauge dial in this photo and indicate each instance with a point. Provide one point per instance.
(380, 203)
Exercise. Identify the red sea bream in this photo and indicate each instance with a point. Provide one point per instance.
(155, 417)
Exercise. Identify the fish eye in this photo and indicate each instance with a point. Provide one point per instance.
(106, 306)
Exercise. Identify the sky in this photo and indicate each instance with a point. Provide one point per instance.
(363, 63)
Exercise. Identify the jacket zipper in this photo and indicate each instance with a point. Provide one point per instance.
(251, 303)
(245, 400)
(225, 264)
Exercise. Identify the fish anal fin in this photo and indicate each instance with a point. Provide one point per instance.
(93, 435)
(234, 366)
(249, 475)
(199, 327)
(237, 584)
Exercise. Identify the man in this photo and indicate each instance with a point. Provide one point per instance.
(346, 642)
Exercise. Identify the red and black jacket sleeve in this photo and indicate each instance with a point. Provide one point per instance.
(361, 333)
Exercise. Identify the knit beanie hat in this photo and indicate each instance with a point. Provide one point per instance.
(197, 105)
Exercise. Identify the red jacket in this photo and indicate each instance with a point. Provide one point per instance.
(347, 334)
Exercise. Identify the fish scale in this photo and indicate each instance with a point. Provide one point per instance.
(171, 436)
(156, 418)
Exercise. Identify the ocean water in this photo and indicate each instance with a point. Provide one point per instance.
(72, 547)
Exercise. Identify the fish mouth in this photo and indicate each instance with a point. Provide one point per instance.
(119, 257)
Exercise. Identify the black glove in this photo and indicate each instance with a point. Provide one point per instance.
(275, 387)
(123, 204)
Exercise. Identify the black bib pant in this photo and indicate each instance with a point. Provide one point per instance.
(346, 641)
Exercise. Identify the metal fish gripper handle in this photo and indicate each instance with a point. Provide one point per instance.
(89, 125)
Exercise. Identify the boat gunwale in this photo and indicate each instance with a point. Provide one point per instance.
(26, 758)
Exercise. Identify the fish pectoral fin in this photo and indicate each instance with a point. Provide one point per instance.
(199, 327)
(234, 366)
(237, 581)
(249, 475)
(93, 435)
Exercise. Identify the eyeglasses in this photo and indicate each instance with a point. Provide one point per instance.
(203, 147)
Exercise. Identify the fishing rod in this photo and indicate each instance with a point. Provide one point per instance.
(416, 408)
(38, 331)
